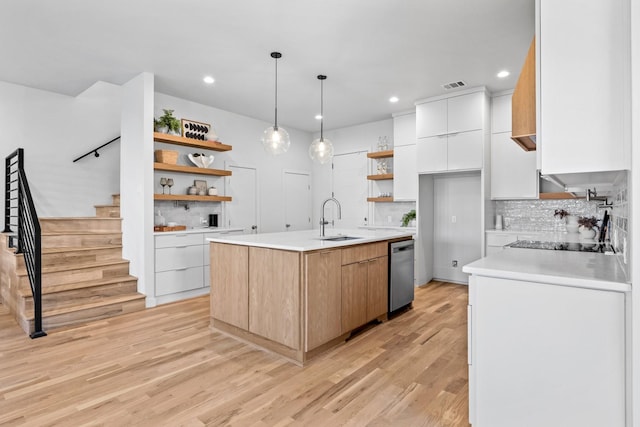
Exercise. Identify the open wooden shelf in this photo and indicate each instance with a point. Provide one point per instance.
(188, 142)
(190, 169)
(190, 198)
(379, 199)
(380, 176)
(380, 154)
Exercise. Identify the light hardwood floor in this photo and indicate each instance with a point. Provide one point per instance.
(164, 366)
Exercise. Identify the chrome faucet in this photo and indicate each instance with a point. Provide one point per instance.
(322, 221)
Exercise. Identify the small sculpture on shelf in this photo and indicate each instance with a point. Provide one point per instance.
(382, 143)
(382, 166)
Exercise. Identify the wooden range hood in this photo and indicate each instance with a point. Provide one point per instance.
(523, 101)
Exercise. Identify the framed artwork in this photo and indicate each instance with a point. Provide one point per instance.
(194, 130)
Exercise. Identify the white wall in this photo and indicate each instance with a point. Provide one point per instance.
(54, 129)
(244, 134)
(351, 139)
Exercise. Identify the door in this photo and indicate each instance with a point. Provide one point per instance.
(242, 186)
(297, 201)
(350, 187)
(457, 230)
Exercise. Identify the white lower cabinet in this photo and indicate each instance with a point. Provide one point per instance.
(182, 262)
(545, 355)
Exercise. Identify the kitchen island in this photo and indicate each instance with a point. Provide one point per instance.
(296, 293)
(548, 339)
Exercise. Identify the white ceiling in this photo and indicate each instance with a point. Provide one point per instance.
(369, 49)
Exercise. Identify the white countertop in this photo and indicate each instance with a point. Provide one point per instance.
(198, 230)
(389, 227)
(568, 268)
(310, 240)
(543, 236)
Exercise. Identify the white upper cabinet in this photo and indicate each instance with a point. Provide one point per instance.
(405, 174)
(450, 132)
(431, 118)
(404, 129)
(584, 85)
(513, 170)
(501, 113)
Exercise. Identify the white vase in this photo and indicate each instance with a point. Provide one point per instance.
(572, 224)
(587, 233)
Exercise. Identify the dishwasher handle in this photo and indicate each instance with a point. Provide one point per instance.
(402, 246)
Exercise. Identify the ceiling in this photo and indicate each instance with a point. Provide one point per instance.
(369, 50)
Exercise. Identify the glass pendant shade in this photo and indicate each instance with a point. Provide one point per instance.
(275, 140)
(321, 150)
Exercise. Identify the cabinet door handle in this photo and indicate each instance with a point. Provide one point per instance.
(325, 252)
(181, 269)
(180, 235)
(453, 133)
(181, 247)
(364, 262)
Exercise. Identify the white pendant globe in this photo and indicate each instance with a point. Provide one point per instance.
(321, 150)
(275, 140)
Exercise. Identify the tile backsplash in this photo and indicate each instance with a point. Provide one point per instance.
(391, 213)
(538, 215)
(196, 216)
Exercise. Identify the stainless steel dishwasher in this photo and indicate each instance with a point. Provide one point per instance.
(400, 274)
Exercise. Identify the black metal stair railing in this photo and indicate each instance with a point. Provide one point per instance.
(22, 224)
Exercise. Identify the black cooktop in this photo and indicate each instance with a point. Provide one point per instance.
(564, 246)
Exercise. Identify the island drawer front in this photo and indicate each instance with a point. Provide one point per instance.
(173, 240)
(364, 252)
(179, 257)
(170, 282)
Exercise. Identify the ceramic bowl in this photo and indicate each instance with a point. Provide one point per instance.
(200, 160)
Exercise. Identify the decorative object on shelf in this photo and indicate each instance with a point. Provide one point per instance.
(383, 143)
(211, 135)
(192, 190)
(201, 160)
(408, 217)
(382, 166)
(159, 219)
(572, 224)
(195, 130)
(498, 222)
(163, 182)
(170, 184)
(321, 149)
(201, 185)
(587, 227)
(213, 191)
(167, 123)
(384, 195)
(275, 140)
(166, 156)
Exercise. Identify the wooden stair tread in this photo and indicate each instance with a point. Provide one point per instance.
(84, 218)
(79, 233)
(53, 289)
(103, 302)
(76, 266)
(77, 249)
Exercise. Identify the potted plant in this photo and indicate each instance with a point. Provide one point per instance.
(588, 226)
(167, 123)
(408, 217)
(561, 213)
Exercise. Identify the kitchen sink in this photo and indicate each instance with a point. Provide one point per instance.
(339, 238)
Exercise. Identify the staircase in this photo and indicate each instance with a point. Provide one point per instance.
(84, 277)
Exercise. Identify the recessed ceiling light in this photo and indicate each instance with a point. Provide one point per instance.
(318, 117)
(502, 74)
(393, 99)
(208, 80)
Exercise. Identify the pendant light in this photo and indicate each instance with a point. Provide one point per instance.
(321, 149)
(275, 139)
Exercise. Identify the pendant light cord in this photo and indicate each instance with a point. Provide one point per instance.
(322, 78)
(275, 126)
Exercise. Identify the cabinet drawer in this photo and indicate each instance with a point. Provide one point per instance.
(364, 252)
(500, 239)
(169, 282)
(172, 240)
(179, 257)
